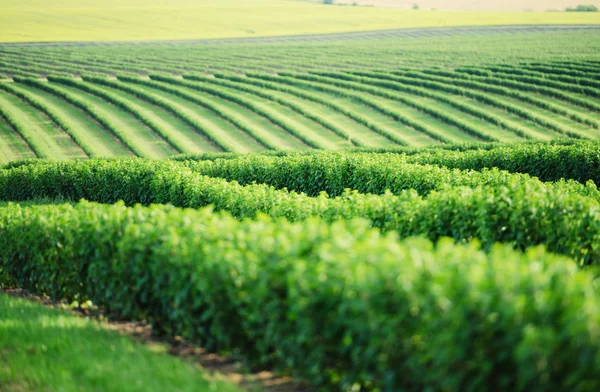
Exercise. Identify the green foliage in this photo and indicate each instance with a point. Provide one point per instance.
(339, 305)
(502, 207)
(583, 8)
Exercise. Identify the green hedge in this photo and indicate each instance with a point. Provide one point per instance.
(367, 173)
(523, 213)
(548, 162)
(339, 305)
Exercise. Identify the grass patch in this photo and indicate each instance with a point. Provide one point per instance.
(50, 349)
(131, 20)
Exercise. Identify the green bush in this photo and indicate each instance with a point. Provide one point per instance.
(339, 305)
(583, 8)
(523, 213)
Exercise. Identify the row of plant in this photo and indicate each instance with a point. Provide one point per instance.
(559, 69)
(507, 71)
(303, 110)
(166, 84)
(78, 135)
(40, 149)
(558, 85)
(417, 78)
(357, 82)
(549, 161)
(523, 213)
(302, 94)
(332, 173)
(350, 82)
(534, 88)
(421, 84)
(86, 107)
(338, 305)
(397, 115)
(221, 142)
(172, 138)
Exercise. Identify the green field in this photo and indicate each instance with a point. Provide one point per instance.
(408, 204)
(430, 88)
(142, 20)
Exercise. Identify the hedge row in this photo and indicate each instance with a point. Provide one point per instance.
(548, 162)
(366, 173)
(523, 213)
(339, 305)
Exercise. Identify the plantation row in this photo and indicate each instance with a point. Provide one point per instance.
(433, 315)
(549, 162)
(155, 107)
(497, 206)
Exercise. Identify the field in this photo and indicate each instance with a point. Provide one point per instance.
(143, 20)
(159, 100)
(472, 5)
(386, 210)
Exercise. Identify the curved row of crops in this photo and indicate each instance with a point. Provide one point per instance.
(307, 284)
(156, 101)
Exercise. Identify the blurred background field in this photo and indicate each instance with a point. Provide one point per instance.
(133, 20)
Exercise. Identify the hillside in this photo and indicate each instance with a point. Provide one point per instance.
(137, 20)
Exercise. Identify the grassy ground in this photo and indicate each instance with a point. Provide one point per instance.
(47, 349)
(112, 20)
(473, 5)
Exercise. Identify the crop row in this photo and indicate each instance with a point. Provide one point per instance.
(338, 305)
(39, 148)
(262, 110)
(155, 99)
(77, 135)
(309, 97)
(524, 213)
(572, 87)
(507, 83)
(364, 84)
(259, 92)
(430, 89)
(421, 78)
(509, 71)
(116, 100)
(397, 115)
(126, 139)
(270, 115)
(343, 81)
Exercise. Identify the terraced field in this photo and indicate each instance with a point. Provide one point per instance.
(384, 211)
(157, 100)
